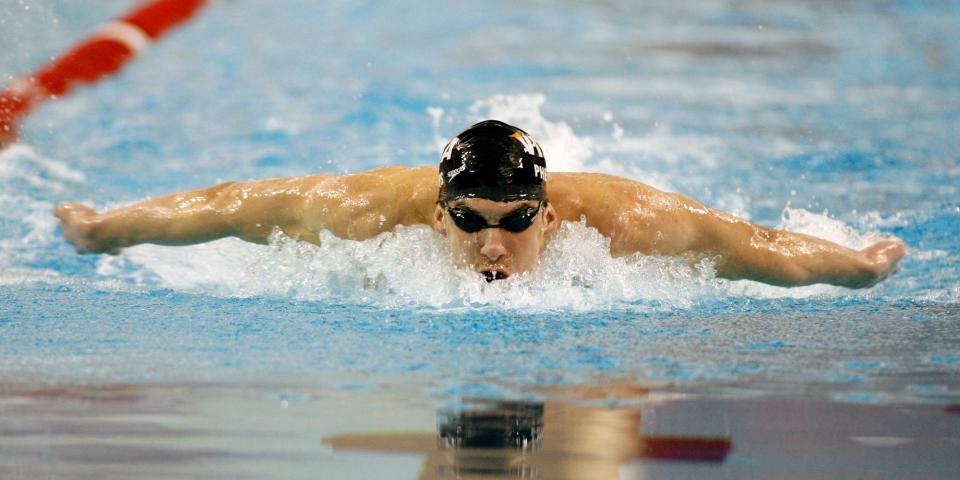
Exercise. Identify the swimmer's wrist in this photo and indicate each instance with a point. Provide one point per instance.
(102, 235)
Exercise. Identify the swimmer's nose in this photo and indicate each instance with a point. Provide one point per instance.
(491, 244)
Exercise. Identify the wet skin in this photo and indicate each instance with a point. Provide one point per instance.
(635, 217)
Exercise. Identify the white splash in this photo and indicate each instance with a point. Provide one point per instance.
(411, 267)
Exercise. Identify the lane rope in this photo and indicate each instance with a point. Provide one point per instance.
(101, 54)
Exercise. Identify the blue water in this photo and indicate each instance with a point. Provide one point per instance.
(836, 120)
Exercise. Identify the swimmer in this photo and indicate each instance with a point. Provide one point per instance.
(495, 210)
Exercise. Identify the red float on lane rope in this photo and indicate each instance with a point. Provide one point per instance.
(101, 54)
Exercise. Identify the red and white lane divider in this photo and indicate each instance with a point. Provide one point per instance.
(101, 54)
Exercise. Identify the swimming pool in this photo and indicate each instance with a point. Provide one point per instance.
(230, 359)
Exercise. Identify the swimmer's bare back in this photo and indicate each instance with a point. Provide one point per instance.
(636, 217)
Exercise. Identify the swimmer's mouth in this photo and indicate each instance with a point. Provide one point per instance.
(491, 275)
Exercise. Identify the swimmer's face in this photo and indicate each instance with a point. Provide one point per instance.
(496, 252)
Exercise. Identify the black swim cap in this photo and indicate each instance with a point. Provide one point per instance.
(495, 161)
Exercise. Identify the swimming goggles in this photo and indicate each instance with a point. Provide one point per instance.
(516, 222)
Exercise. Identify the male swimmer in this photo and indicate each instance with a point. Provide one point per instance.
(495, 210)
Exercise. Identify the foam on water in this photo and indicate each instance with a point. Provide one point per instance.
(411, 267)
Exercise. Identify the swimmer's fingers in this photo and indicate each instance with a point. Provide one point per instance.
(884, 257)
(68, 211)
(74, 222)
(78, 223)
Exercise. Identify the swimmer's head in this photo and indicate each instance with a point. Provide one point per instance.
(492, 207)
(494, 161)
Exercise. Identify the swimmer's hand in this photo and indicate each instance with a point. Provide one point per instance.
(882, 259)
(80, 227)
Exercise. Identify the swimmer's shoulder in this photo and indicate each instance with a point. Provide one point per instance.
(360, 205)
(419, 183)
(407, 195)
(575, 194)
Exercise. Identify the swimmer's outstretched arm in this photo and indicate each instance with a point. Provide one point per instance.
(249, 210)
(638, 218)
(355, 207)
(747, 251)
(778, 257)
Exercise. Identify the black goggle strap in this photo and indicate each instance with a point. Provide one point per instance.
(516, 222)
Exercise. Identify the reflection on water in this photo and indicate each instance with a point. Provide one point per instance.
(552, 440)
(318, 429)
(497, 424)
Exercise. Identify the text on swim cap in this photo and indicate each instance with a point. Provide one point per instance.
(540, 171)
(456, 171)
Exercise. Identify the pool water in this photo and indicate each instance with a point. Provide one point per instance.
(227, 359)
